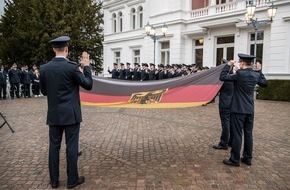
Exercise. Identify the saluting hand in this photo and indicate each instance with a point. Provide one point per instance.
(85, 60)
(231, 62)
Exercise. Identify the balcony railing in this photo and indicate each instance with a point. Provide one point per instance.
(226, 7)
(261, 2)
(199, 12)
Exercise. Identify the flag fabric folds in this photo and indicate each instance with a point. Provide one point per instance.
(187, 91)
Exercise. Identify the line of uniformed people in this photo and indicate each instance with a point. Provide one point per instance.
(144, 73)
(20, 83)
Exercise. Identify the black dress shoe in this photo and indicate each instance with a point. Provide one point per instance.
(80, 180)
(219, 147)
(230, 163)
(245, 161)
(54, 185)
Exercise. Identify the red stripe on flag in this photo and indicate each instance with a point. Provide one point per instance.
(191, 93)
(97, 98)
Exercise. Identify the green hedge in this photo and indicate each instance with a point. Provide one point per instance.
(278, 90)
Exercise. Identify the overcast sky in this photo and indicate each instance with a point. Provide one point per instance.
(1, 6)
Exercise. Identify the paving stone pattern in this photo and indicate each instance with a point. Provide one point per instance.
(152, 149)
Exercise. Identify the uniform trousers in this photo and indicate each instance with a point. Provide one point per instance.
(26, 90)
(72, 141)
(3, 91)
(242, 122)
(36, 89)
(226, 136)
(14, 88)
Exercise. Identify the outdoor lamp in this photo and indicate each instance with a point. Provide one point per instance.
(164, 29)
(201, 40)
(147, 28)
(248, 20)
(152, 31)
(271, 11)
(251, 10)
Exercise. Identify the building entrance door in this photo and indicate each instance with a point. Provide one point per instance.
(224, 49)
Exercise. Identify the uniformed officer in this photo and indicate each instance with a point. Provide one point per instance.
(122, 72)
(242, 107)
(60, 80)
(178, 71)
(144, 72)
(225, 100)
(14, 79)
(128, 71)
(161, 72)
(152, 72)
(136, 72)
(3, 83)
(114, 72)
(26, 81)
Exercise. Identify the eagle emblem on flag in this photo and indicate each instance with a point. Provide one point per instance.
(152, 97)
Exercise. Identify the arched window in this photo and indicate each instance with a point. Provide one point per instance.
(140, 11)
(120, 15)
(133, 18)
(114, 21)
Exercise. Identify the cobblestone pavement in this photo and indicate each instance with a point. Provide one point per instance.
(145, 148)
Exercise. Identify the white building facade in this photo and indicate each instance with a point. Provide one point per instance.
(199, 31)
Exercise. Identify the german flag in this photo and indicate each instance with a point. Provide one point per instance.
(187, 91)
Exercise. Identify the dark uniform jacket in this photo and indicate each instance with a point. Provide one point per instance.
(3, 77)
(122, 74)
(161, 75)
(128, 74)
(14, 76)
(115, 73)
(152, 75)
(60, 80)
(169, 75)
(35, 79)
(226, 95)
(144, 75)
(178, 74)
(136, 75)
(245, 81)
(25, 77)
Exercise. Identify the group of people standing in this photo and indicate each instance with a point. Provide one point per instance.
(145, 72)
(236, 108)
(20, 83)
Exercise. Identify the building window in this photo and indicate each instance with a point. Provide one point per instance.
(260, 39)
(133, 18)
(114, 19)
(140, 10)
(198, 4)
(136, 56)
(226, 40)
(165, 53)
(117, 57)
(198, 46)
(120, 15)
(224, 48)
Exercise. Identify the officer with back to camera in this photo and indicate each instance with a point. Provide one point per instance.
(225, 100)
(242, 107)
(60, 80)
